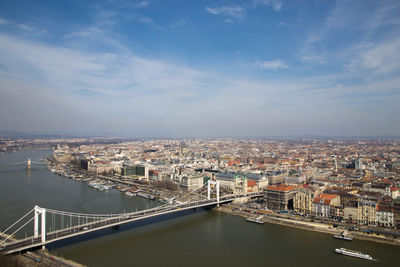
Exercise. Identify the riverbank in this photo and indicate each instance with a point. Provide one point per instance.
(35, 258)
(309, 226)
(103, 182)
(44, 258)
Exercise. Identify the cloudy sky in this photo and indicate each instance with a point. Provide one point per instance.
(200, 68)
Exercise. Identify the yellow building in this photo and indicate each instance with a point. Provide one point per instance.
(350, 214)
(366, 212)
(303, 199)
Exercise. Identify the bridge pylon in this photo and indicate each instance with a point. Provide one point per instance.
(42, 212)
(216, 183)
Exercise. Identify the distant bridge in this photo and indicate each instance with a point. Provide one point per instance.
(64, 225)
(29, 162)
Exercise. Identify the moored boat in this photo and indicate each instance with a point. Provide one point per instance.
(256, 220)
(344, 236)
(129, 194)
(144, 195)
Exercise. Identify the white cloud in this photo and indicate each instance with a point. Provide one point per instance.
(179, 24)
(145, 20)
(240, 11)
(272, 65)
(19, 25)
(143, 4)
(107, 87)
(275, 4)
(381, 58)
(87, 32)
(234, 11)
(120, 73)
(70, 87)
(26, 27)
(367, 37)
(3, 21)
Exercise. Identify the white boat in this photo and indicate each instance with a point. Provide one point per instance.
(144, 195)
(129, 194)
(353, 253)
(344, 236)
(256, 220)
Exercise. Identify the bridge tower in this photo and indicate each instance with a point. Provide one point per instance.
(29, 163)
(216, 183)
(42, 212)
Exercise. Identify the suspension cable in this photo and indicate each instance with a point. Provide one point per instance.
(66, 213)
(18, 230)
(18, 221)
(106, 216)
(185, 195)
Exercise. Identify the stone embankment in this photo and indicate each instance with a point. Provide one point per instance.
(37, 258)
(309, 226)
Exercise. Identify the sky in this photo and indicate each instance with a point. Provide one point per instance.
(159, 68)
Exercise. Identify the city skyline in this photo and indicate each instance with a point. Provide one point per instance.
(203, 68)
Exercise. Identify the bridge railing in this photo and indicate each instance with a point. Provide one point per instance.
(115, 219)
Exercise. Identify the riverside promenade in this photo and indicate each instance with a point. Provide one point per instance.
(321, 227)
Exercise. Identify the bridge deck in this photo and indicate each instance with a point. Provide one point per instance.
(33, 242)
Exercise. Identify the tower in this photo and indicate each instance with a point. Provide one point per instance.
(335, 164)
(209, 183)
(42, 212)
(357, 164)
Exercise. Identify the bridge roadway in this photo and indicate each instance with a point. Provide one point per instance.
(33, 242)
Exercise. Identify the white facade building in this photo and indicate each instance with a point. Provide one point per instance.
(385, 218)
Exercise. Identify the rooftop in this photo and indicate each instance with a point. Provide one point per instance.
(282, 187)
(324, 198)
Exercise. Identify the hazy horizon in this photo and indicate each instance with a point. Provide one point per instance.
(256, 68)
(66, 135)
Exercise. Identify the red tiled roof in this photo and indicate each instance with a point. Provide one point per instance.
(103, 161)
(232, 162)
(281, 187)
(384, 208)
(251, 183)
(325, 198)
(305, 186)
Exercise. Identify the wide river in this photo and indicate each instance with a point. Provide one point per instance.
(204, 238)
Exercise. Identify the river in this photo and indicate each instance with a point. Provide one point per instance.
(203, 238)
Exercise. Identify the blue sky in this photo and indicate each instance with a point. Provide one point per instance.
(200, 68)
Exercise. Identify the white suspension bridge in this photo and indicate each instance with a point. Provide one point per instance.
(51, 225)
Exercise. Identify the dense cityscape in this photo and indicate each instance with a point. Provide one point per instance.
(348, 188)
(199, 133)
(352, 181)
(347, 181)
